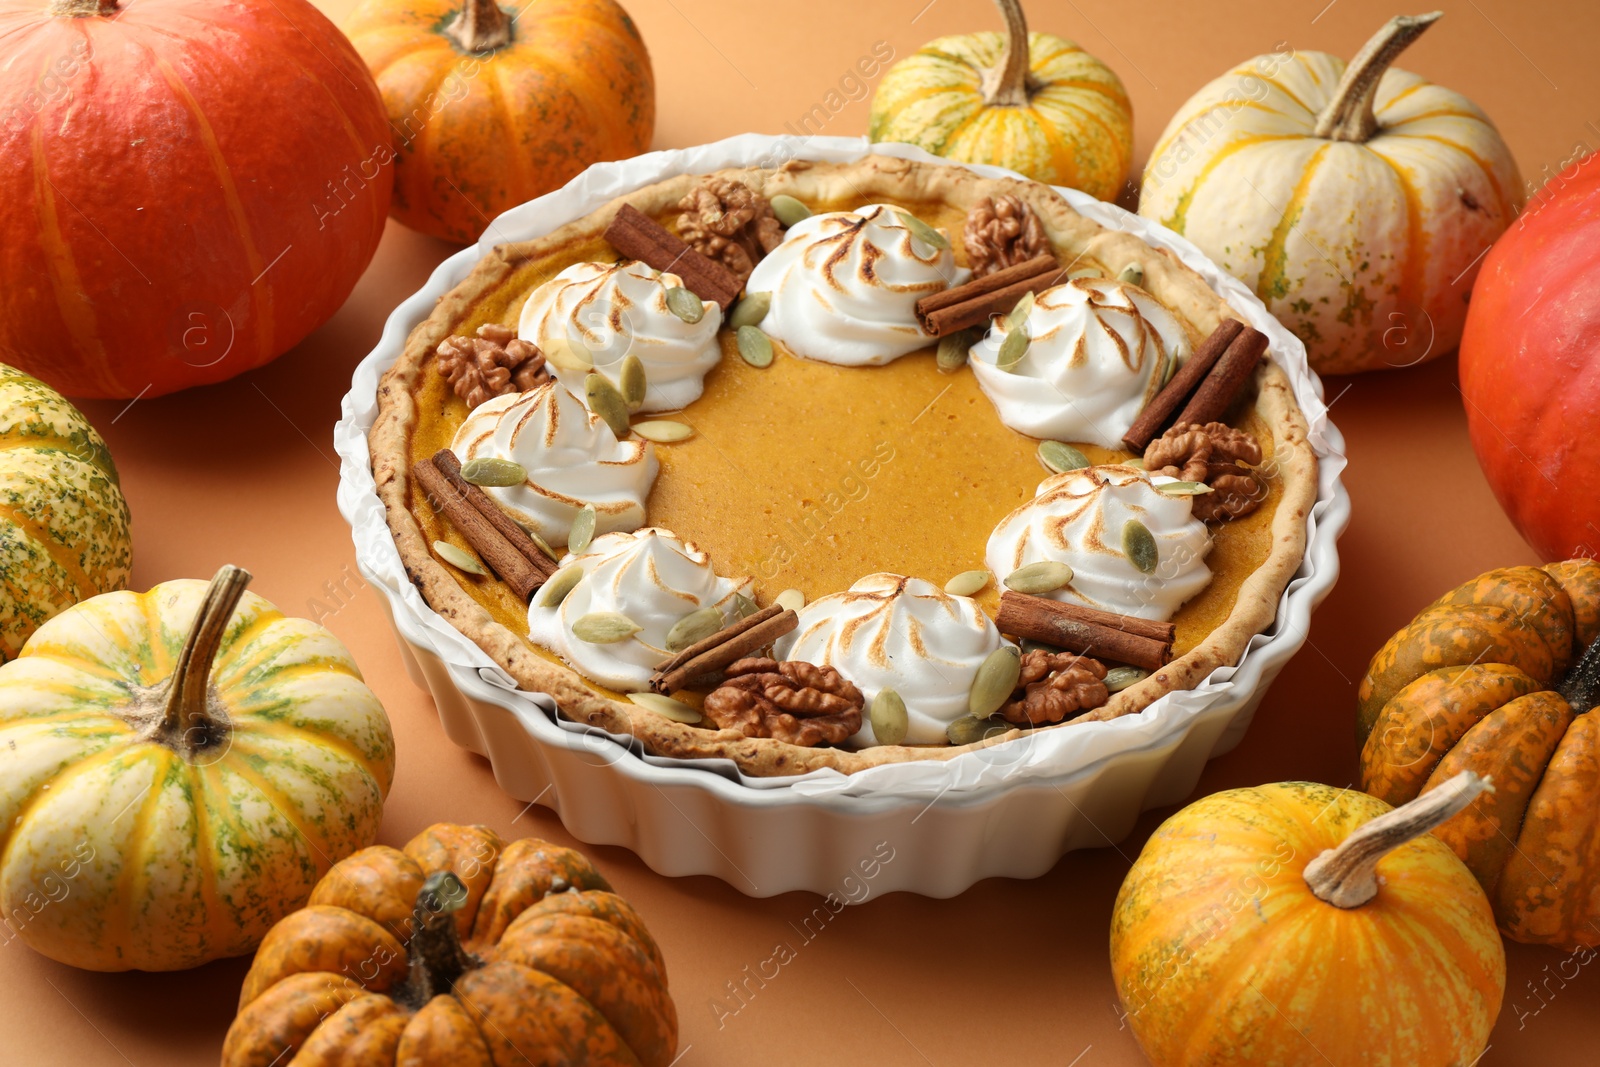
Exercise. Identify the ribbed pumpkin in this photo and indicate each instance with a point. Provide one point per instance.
(190, 187)
(494, 106)
(1035, 103)
(1299, 924)
(1355, 200)
(63, 522)
(1481, 680)
(458, 949)
(177, 769)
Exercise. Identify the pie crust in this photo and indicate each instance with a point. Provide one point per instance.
(875, 177)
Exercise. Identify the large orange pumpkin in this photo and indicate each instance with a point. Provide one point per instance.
(493, 106)
(1483, 680)
(190, 188)
(458, 949)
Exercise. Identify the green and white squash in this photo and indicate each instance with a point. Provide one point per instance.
(178, 768)
(63, 522)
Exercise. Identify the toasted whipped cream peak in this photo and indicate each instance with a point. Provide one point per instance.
(845, 286)
(571, 456)
(653, 578)
(1099, 352)
(1078, 518)
(592, 316)
(892, 632)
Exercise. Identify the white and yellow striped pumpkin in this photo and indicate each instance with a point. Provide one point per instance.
(63, 522)
(1048, 110)
(178, 768)
(1355, 200)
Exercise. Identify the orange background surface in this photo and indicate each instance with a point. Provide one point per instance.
(1010, 971)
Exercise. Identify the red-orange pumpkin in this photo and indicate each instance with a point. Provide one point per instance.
(190, 187)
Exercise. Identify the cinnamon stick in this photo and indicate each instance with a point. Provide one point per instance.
(1064, 626)
(638, 236)
(1219, 389)
(1155, 631)
(1156, 414)
(966, 305)
(504, 524)
(732, 642)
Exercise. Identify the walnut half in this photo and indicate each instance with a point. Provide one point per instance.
(729, 222)
(1053, 685)
(1001, 232)
(800, 703)
(1212, 454)
(493, 363)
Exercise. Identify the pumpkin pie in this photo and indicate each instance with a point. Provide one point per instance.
(836, 465)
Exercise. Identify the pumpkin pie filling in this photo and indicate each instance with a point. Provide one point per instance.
(805, 475)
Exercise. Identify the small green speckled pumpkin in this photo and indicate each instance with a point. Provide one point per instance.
(63, 522)
(178, 768)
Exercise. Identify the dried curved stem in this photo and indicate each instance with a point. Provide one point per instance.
(1007, 84)
(81, 9)
(435, 954)
(1347, 876)
(481, 27)
(1349, 116)
(187, 722)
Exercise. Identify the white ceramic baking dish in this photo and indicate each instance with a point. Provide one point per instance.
(931, 827)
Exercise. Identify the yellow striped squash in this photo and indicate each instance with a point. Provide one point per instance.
(63, 521)
(1048, 110)
(178, 768)
(1357, 201)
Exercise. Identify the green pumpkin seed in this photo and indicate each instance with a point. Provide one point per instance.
(567, 354)
(743, 606)
(953, 350)
(1137, 463)
(1012, 349)
(604, 628)
(754, 346)
(1132, 274)
(489, 471)
(993, 683)
(695, 626)
(560, 584)
(1061, 457)
(540, 543)
(582, 531)
(750, 310)
(1019, 314)
(1030, 645)
(923, 232)
(1139, 545)
(1085, 272)
(789, 210)
(605, 401)
(1170, 368)
(1183, 488)
(684, 304)
(969, 730)
(667, 708)
(790, 600)
(663, 431)
(1046, 576)
(1120, 678)
(967, 582)
(633, 383)
(888, 717)
(460, 559)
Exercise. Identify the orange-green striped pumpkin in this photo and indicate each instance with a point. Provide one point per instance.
(1356, 200)
(492, 106)
(177, 769)
(63, 521)
(459, 949)
(1485, 679)
(1035, 103)
(1296, 924)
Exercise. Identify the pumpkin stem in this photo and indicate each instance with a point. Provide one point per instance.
(188, 721)
(1347, 876)
(1582, 682)
(1348, 116)
(481, 27)
(435, 953)
(1007, 84)
(81, 9)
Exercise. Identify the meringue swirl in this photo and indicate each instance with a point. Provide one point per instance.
(1100, 351)
(571, 456)
(845, 286)
(1077, 518)
(653, 578)
(591, 316)
(892, 632)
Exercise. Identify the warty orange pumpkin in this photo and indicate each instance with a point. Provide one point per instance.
(493, 106)
(461, 949)
(1483, 679)
(1298, 924)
